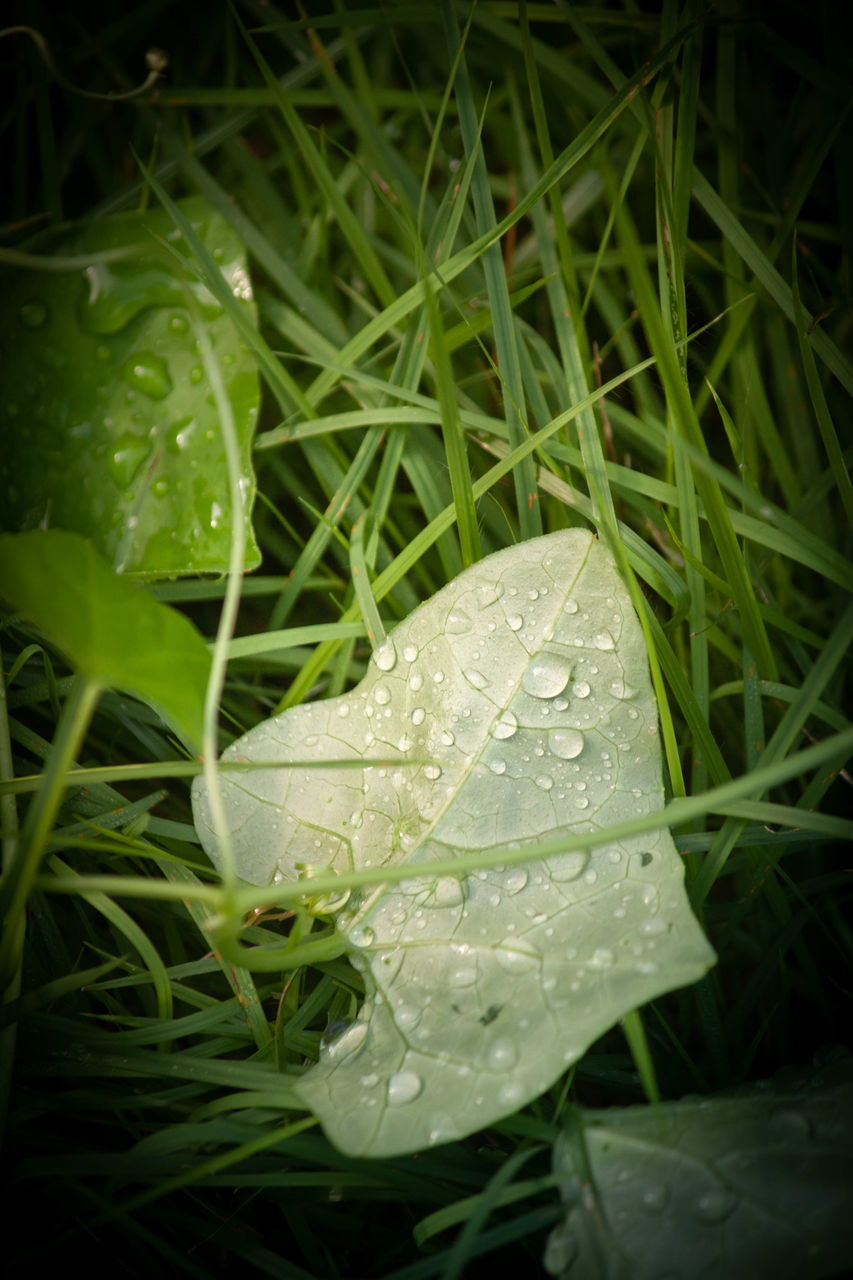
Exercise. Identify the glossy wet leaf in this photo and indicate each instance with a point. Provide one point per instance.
(523, 690)
(727, 1188)
(112, 630)
(109, 427)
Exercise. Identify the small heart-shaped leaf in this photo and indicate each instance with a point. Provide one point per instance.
(513, 707)
(110, 628)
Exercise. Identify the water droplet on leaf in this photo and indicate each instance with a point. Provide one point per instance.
(715, 1206)
(148, 373)
(621, 689)
(505, 725)
(560, 1251)
(515, 879)
(447, 892)
(502, 1055)
(385, 656)
(339, 1042)
(566, 743)
(546, 676)
(654, 1198)
(403, 1087)
(567, 866)
(33, 314)
(458, 622)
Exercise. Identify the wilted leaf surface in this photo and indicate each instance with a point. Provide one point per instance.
(523, 689)
(728, 1188)
(112, 630)
(109, 427)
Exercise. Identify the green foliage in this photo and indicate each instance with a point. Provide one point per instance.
(515, 267)
(110, 629)
(748, 1185)
(512, 708)
(110, 429)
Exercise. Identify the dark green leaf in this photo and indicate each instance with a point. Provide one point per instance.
(111, 629)
(108, 425)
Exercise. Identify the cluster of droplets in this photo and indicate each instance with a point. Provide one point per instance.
(469, 958)
(136, 360)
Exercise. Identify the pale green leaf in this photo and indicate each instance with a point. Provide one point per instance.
(512, 707)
